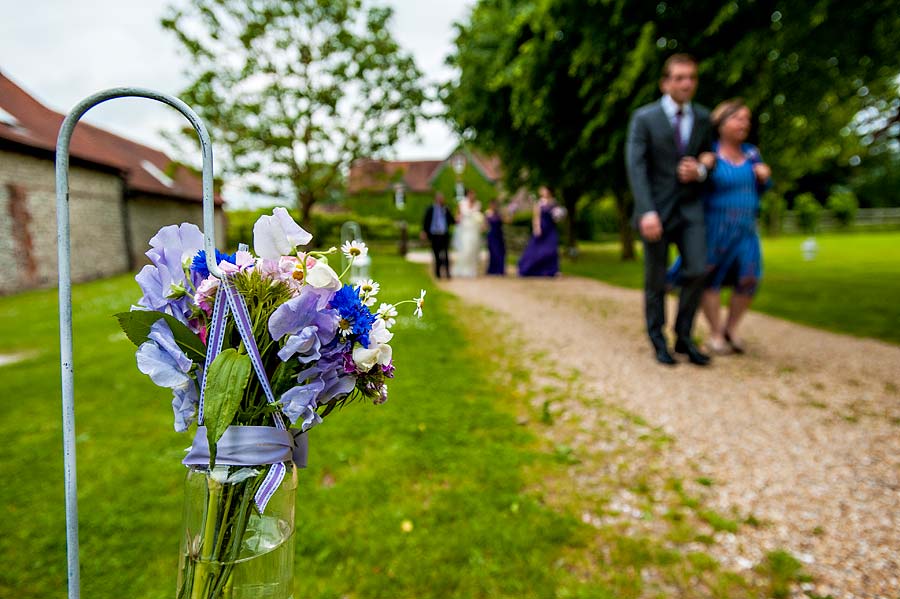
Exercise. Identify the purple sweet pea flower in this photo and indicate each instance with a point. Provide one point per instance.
(162, 360)
(330, 371)
(184, 405)
(336, 385)
(301, 312)
(299, 404)
(164, 281)
(186, 238)
(306, 343)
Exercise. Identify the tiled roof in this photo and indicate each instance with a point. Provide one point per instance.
(36, 126)
(379, 175)
(490, 166)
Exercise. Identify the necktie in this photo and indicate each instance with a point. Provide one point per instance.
(679, 142)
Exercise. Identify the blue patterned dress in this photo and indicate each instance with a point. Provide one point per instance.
(732, 243)
(733, 256)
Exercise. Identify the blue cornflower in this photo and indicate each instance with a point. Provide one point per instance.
(199, 263)
(356, 319)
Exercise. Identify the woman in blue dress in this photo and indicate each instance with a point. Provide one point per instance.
(731, 207)
(541, 255)
(731, 204)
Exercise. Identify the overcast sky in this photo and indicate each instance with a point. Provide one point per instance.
(61, 51)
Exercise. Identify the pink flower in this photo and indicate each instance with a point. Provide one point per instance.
(206, 293)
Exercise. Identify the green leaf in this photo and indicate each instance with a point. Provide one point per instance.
(137, 323)
(225, 382)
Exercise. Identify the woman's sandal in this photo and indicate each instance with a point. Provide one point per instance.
(717, 348)
(736, 346)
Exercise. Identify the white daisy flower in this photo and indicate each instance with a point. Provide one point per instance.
(354, 249)
(420, 301)
(367, 300)
(368, 288)
(387, 313)
(344, 328)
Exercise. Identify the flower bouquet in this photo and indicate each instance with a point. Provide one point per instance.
(256, 358)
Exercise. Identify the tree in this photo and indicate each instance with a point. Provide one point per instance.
(491, 105)
(563, 76)
(295, 90)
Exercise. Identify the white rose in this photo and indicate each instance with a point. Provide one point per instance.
(385, 353)
(379, 334)
(364, 358)
(322, 276)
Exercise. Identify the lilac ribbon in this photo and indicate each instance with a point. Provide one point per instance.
(255, 443)
(213, 343)
(249, 446)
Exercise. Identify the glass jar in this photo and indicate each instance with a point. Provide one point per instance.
(228, 549)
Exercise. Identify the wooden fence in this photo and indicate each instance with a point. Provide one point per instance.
(866, 218)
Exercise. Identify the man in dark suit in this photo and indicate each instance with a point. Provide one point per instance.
(664, 140)
(436, 227)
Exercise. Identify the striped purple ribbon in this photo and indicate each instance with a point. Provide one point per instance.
(216, 334)
(242, 321)
(228, 299)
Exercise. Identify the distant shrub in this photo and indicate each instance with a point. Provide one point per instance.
(326, 227)
(808, 211)
(771, 211)
(843, 205)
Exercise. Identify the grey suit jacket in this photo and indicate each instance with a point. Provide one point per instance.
(651, 159)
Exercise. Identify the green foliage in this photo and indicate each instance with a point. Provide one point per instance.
(382, 205)
(843, 206)
(718, 521)
(772, 208)
(850, 287)
(472, 179)
(551, 91)
(876, 185)
(325, 226)
(782, 569)
(136, 326)
(808, 211)
(308, 86)
(598, 219)
(227, 378)
(448, 457)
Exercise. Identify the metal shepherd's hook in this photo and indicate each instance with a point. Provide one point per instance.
(65, 282)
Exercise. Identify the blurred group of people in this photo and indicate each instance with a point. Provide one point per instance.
(696, 184)
(469, 229)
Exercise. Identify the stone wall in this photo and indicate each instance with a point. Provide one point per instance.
(106, 230)
(28, 253)
(148, 214)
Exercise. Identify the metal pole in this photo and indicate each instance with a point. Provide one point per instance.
(65, 283)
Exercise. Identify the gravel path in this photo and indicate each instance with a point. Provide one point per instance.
(803, 432)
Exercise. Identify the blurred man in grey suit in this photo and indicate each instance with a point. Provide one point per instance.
(664, 140)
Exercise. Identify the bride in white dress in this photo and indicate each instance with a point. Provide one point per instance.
(468, 237)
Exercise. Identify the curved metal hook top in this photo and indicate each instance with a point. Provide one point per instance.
(68, 126)
(65, 284)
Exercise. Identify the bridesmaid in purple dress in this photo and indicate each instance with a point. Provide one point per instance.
(541, 257)
(495, 243)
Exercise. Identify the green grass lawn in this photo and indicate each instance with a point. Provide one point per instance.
(445, 491)
(851, 287)
(441, 454)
